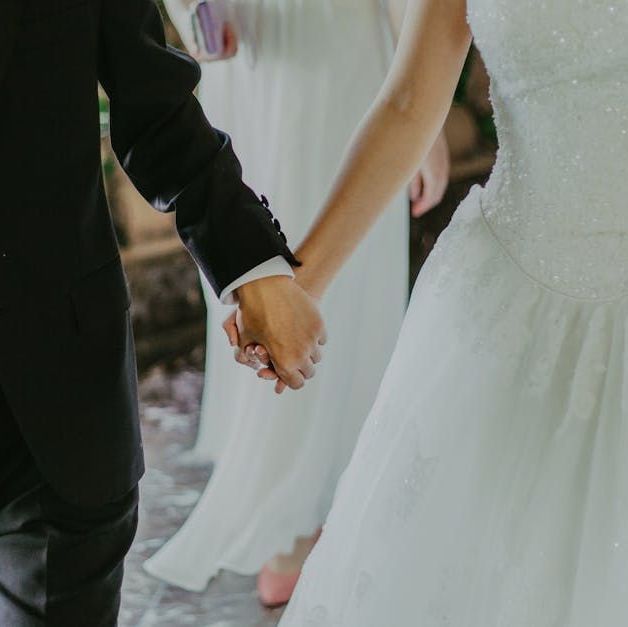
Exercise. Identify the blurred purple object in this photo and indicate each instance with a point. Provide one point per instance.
(209, 18)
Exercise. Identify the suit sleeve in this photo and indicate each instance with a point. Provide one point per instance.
(172, 154)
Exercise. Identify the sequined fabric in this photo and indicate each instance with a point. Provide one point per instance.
(558, 196)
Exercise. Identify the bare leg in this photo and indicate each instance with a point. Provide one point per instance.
(279, 577)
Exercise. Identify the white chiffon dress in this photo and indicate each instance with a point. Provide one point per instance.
(319, 64)
(489, 487)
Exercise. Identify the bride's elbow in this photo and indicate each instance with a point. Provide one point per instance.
(406, 102)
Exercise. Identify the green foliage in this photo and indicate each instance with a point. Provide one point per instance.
(103, 107)
(461, 90)
(486, 123)
(108, 167)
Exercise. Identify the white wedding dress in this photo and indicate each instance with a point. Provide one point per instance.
(319, 64)
(489, 487)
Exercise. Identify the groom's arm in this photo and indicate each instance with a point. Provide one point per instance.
(173, 155)
(179, 162)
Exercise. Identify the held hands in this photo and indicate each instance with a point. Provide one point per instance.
(277, 327)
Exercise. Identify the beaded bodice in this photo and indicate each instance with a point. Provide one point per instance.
(558, 196)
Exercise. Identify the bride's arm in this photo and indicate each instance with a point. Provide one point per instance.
(429, 185)
(394, 138)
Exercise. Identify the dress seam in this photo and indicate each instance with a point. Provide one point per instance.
(530, 277)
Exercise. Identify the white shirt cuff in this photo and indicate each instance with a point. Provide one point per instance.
(277, 266)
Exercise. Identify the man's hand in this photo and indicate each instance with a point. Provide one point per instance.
(280, 316)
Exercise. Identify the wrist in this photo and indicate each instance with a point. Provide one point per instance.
(253, 291)
(310, 280)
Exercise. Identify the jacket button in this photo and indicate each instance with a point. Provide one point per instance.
(277, 224)
(265, 201)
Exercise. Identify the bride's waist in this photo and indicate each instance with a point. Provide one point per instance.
(565, 242)
(576, 170)
(558, 196)
(546, 82)
(571, 125)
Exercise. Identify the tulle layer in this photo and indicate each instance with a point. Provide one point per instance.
(279, 458)
(490, 483)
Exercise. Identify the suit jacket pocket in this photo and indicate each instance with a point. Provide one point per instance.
(101, 294)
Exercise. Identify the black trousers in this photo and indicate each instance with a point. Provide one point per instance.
(60, 565)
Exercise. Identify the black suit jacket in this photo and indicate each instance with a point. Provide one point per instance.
(67, 365)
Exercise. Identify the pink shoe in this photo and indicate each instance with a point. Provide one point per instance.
(275, 589)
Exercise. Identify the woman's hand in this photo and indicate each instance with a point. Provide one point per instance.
(179, 13)
(430, 184)
(230, 46)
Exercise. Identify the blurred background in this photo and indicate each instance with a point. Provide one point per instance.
(170, 324)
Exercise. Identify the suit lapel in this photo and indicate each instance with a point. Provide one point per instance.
(9, 16)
